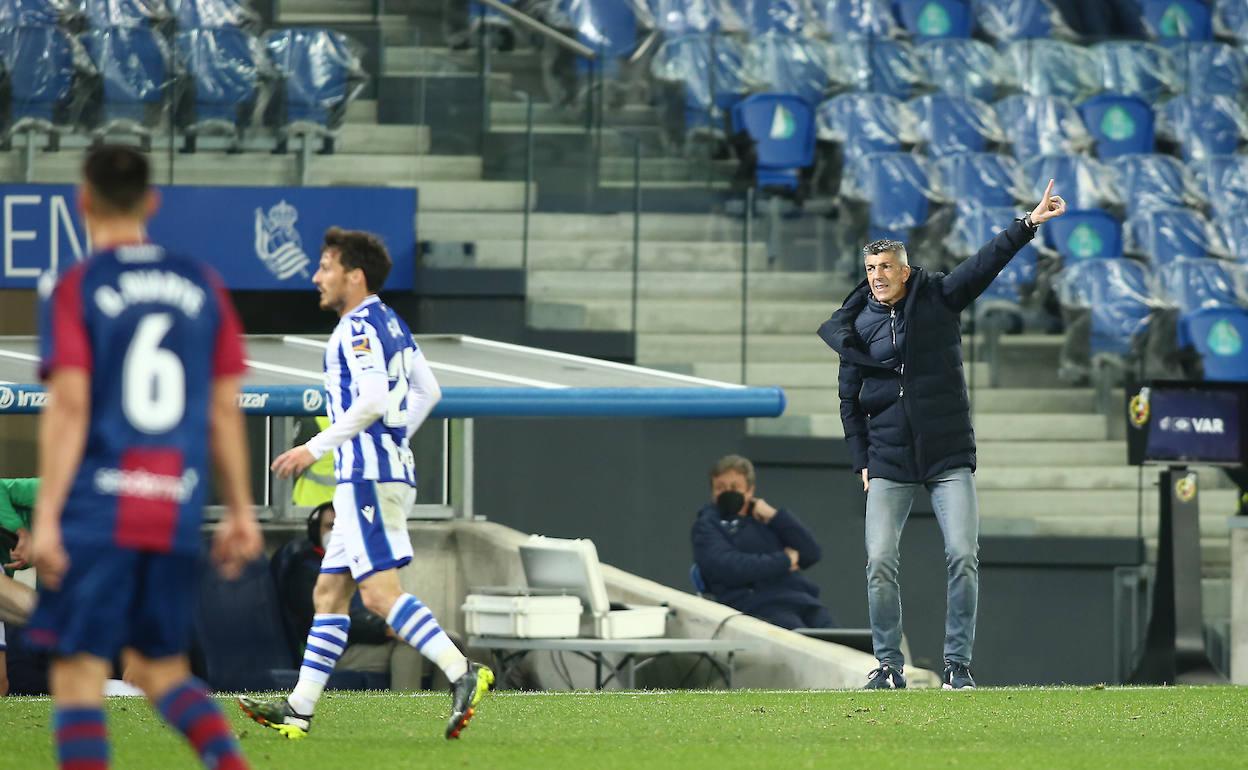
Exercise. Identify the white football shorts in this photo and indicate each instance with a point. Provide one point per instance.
(370, 528)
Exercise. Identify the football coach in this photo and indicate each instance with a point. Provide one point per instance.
(907, 420)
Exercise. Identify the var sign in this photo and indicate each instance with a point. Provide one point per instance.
(39, 232)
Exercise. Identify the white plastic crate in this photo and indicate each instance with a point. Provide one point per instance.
(523, 617)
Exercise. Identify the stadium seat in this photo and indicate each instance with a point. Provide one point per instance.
(1203, 125)
(38, 13)
(979, 179)
(782, 128)
(964, 68)
(1084, 182)
(1173, 21)
(936, 19)
(1136, 68)
(1164, 235)
(44, 66)
(696, 580)
(1120, 125)
(1211, 69)
(224, 69)
(1007, 20)
(890, 67)
(135, 76)
(897, 188)
(853, 20)
(1222, 181)
(1218, 335)
(1192, 284)
(1230, 19)
(1148, 182)
(608, 27)
(102, 14)
(952, 124)
(975, 226)
(1042, 125)
(682, 17)
(1086, 234)
(711, 68)
(788, 63)
(214, 14)
(1232, 227)
(866, 123)
(238, 623)
(762, 17)
(1115, 292)
(1053, 68)
(321, 74)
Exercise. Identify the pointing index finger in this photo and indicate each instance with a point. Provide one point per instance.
(1048, 191)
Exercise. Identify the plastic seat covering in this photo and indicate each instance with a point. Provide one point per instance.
(1218, 335)
(1119, 125)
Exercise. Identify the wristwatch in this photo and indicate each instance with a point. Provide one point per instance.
(1026, 219)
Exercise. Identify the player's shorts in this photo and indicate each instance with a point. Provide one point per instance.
(112, 598)
(370, 528)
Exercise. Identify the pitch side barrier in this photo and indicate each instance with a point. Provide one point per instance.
(280, 404)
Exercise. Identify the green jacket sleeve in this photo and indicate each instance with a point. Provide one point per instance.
(17, 500)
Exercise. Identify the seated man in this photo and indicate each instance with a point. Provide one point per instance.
(750, 554)
(17, 499)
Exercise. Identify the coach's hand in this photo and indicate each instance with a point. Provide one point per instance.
(21, 551)
(1050, 206)
(292, 462)
(49, 554)
(866, 482)
(236, 543)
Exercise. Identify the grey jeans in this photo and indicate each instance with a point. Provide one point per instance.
(957, 512)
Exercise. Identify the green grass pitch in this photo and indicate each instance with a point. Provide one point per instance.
(995, 728)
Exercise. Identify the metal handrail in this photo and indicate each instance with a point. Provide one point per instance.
(524, 20)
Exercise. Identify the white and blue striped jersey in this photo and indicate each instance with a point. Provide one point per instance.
(369, 340)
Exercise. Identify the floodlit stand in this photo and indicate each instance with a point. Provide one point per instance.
(1174, 647)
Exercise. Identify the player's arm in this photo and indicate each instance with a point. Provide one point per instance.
(62, 438)
(423, 393)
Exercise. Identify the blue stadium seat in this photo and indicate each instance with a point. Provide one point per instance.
(683, 17)
(214, 14)
(38, 13)
(1230, 19)
(223, 72)
(1164, 235)
(1082, 181)
(782, 127)
(1053, 68)
(890, 67)
(1120, 125)
(239, 626)
(1210, 69)
(964, 67)
(1222, 181)
(607, 26)
(1153, 181)
(1116, 293)
(1173, 21)
(102, 14)
(853, 20)
(1087, 234)
(1136, 68)
(320, 72)
(972, 228)
(1192, 284)
(1232, 229)
(696, 579)
(43, 66)
(952, 124)
(762, 17)
(1218, 335)
(712, 70)
(1007, 20)
(936, 19)
(1203, 125)
(865, 123)
(135, 75)
(791, 64)
(980, 179)
(1042, 125)
(897, 189)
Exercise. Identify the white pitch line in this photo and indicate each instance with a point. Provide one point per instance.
(287, 370)
(19, 356)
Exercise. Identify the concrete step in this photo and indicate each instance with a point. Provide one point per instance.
(1006, 453)
(440, 59)
(512, 112)
(573, 285)
(471, 196)
(1033, 400)
(1095, 504)
(765, 316)
(657, 348)
(621, 169)
(392, 169)
(362, 111)
(985, 401)
(616, 255)
(579, 228)
(373, 139)
(1028, 429)
(786, 375)
(396, 29)
(1093, 477)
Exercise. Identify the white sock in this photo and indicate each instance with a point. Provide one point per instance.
(415, 624)
(326, 641)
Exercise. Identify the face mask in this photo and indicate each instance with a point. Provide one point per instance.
(729, 503)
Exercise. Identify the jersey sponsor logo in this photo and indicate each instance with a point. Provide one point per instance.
(146, 485)
(22, 399)
(312, 400)
(278, 244)
(361, 346)
(253, 400)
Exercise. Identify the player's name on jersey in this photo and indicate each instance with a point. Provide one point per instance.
(147, 286)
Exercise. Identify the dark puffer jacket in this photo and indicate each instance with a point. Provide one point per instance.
(913, 425)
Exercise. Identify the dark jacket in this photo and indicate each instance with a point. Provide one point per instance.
(914, 423)
(744, 564)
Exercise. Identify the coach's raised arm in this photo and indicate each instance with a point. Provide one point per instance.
(907, 420)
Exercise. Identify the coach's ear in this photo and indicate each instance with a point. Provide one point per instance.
(152, 204)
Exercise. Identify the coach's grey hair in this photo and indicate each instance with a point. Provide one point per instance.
(736, 463)
(884, 246)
